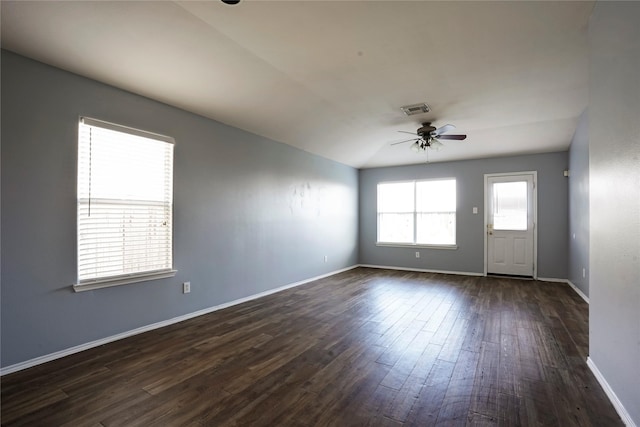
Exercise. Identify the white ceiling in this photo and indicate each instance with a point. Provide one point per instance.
(329, 77)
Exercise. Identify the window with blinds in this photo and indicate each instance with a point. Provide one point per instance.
(125, 205)
(417, 213)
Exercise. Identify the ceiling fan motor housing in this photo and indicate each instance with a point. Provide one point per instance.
(425, 130)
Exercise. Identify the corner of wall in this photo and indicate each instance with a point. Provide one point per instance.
(578, 227)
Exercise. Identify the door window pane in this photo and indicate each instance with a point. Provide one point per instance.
(510, 205)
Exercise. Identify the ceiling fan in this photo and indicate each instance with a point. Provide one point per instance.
(429, 137)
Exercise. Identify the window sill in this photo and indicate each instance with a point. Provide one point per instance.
(412, 245)
(123, 280)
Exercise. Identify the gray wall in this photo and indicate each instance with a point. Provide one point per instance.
(579, 206)
(614, 167)
(250, 214)
(469, 257)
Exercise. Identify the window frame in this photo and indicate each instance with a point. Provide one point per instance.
(133, 277)
(453, 246)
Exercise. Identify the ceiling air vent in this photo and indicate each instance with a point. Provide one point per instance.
(411, 110)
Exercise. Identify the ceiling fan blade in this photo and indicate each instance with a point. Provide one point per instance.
(410, 133)
(406, 140)
(443, 129)
(456, 137)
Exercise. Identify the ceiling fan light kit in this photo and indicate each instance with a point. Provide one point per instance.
(436, 144)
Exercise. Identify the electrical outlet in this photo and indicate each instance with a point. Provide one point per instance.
(326, 258)
(417, 254)
(186, 287)
(584, 273)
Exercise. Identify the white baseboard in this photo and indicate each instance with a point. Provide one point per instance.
(551, 279)
(421, 270)
(578, 291)
(66, 352)
(626, 418)
(567, 281)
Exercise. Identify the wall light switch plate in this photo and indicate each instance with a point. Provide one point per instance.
(475, 210)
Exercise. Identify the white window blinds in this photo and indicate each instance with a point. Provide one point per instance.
(125, 202)
(417, 212)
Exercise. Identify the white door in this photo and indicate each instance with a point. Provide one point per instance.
(510, 213)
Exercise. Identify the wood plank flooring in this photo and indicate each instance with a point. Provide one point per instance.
(365, 347)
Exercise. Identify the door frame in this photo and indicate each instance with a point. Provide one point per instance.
(535, 216)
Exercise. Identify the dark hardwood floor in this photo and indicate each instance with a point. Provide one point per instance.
(365, 347)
